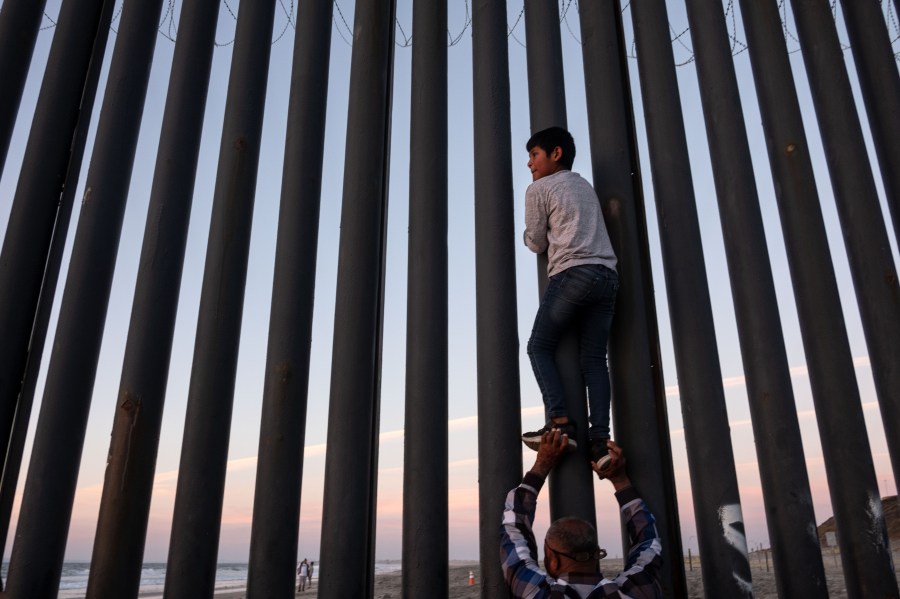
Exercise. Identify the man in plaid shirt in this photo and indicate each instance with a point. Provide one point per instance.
(571, 553)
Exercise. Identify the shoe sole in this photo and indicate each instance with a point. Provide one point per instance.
(534, 443)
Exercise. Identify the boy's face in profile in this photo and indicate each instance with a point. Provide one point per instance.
(542, 164)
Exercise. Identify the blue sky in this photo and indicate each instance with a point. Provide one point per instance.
(462, 409)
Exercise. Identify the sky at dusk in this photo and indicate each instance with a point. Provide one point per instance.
(463, 459)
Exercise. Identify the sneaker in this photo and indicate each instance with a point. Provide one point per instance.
(532, 440)
(600, 452)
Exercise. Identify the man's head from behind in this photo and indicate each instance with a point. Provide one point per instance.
(571, 546)
(549, 141)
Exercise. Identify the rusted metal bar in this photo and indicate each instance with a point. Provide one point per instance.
(348, 518)
(193, 548)
(831, 372)
(879, 81)
(20, 22)
(717, 507)
(875, 274)
(37, 557)
(497, 342)
(425, 451)
(788, 502)
(639, 412)
(276, 504)
(867, 564)
(39, 220)
(125, 504)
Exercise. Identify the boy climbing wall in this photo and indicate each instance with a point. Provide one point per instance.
(563, 218)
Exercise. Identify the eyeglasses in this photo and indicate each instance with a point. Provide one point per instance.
(581, 556)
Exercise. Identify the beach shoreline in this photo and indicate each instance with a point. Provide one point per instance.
(388, 585)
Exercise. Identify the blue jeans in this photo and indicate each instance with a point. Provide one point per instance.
(581, 298)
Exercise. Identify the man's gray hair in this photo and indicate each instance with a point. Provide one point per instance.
(574, 536)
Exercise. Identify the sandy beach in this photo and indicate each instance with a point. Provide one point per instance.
(388, 586)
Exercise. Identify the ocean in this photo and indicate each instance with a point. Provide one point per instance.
(229, 576)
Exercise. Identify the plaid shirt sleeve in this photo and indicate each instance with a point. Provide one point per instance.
(640, 579)
(518, 550)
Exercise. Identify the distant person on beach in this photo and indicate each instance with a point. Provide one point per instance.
(571, 552)
(564, 219)
(302, 575)
(309, 572)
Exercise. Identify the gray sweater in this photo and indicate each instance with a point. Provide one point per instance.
(563, 218)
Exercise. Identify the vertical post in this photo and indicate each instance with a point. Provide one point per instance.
(641, 421)
(425, 470)
(197, 515)
(717, 505)
(546, 82)
(879, 81)
(862, 223)
(572, 481)
(20, 22)
(279, 474)
(37, 557)
(44, 307)
(348, 518)
(499, 405)
(825, 341)
(786, 494)
(39, 219)
(125, 504)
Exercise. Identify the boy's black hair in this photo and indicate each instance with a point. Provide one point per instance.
(548, 139)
